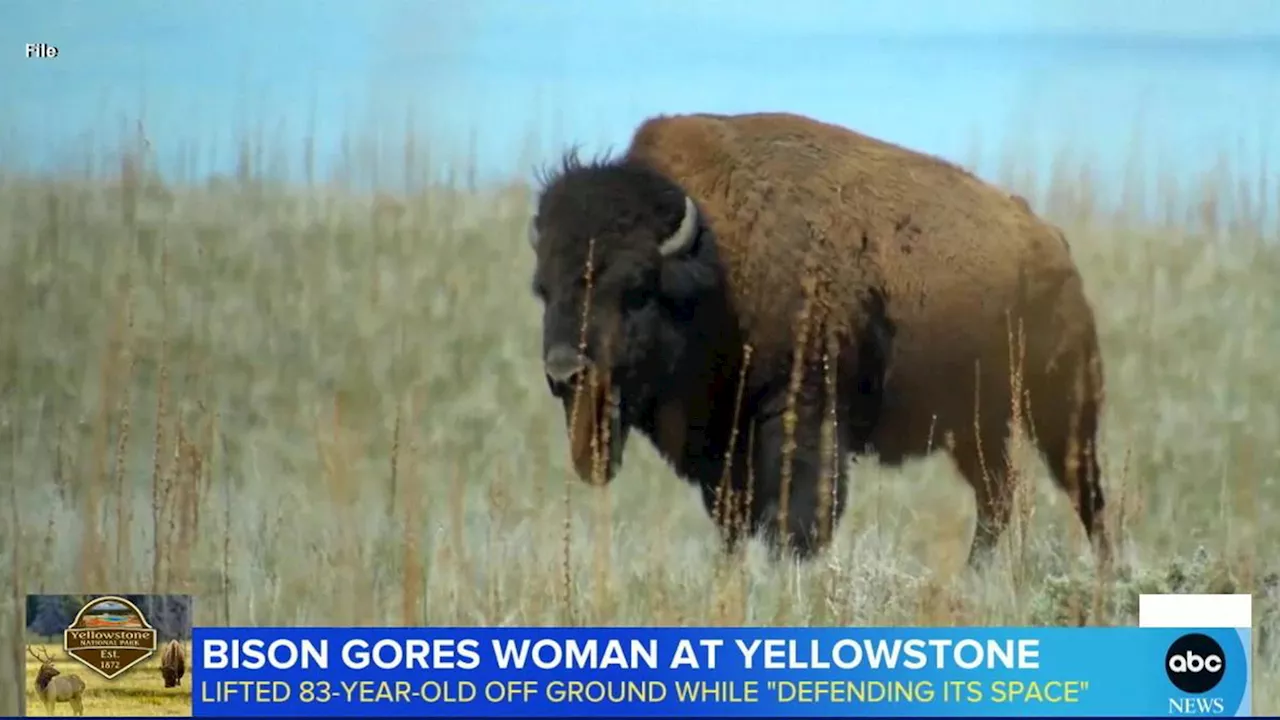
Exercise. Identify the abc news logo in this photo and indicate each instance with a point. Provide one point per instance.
(1195, 663)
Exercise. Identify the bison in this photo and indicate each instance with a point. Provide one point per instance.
(769, 294)
(173, 663)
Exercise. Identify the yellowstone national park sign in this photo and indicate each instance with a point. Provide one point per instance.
(110, 635)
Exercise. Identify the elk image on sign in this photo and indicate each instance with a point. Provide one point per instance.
(110, 635)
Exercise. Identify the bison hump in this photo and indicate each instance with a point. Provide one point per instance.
(812, 218)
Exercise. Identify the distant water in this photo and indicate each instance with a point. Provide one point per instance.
(1182, 105)
(106, 619)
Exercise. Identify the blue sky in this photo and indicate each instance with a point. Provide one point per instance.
(1156, 17)
(588, 70)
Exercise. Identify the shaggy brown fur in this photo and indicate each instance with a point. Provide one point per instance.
(52, 687)
(173, 663)
(810, 217)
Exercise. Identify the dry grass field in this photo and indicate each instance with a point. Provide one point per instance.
(313, 406)
(138, 692)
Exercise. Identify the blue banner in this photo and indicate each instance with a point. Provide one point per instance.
(719, 672)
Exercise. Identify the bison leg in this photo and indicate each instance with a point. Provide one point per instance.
(1073, 461)
(815, 499)
(727, 498)
(983, 468)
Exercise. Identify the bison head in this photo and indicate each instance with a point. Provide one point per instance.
(620, 270)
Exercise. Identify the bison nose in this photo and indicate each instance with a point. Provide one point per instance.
(562, 364)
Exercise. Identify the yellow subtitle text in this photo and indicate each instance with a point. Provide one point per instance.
(1038, 691)
(597, 692)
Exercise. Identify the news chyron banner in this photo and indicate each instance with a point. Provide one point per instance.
(1185, 668)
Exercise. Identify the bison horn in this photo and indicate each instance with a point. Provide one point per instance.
(682, 238)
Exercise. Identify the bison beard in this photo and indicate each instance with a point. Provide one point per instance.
(593, 416)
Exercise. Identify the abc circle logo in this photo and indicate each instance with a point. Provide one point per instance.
(1195, 663)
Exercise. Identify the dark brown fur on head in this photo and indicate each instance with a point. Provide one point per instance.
(648, 311)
